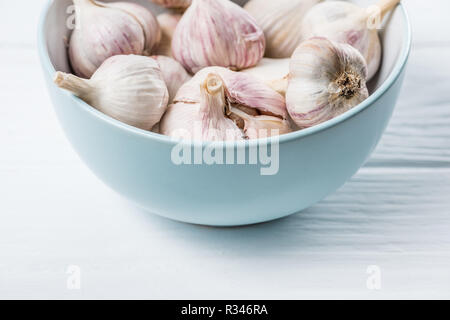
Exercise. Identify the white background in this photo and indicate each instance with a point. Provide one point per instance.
(395, 213)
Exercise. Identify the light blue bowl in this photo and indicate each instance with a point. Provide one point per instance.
(312, 163)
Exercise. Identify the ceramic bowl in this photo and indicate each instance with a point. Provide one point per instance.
(303, 167)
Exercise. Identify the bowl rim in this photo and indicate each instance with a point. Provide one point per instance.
(385, 86)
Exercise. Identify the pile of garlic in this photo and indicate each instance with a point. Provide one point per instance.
(211, 70)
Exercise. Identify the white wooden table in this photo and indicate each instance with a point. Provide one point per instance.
(394, 214)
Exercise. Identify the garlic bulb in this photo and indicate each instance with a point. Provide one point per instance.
(168, 23)
(326, 79)
(105, 30)
(217, 33)
(147, 20)
(241, 89)
(348, 23)
(273, 72)
(173, 74)
(129, 88)
(207, 117)
(176, 4)
(219, 104)
(281, 21)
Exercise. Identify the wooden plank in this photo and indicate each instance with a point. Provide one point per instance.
(395, 219)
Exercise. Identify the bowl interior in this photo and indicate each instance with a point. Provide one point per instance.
(59, 17)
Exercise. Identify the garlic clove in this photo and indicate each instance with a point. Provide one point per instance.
(128, 88)
(261, 126)
(281, 21)
(173, 74)
(273, 72)
(175, 4)
(147, 20)
(242, 89)
(246, 108)
(217, 33)
(348, 23)
(326, 79)
(168, 23)
(246, 90)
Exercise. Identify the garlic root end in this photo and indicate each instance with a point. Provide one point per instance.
(346, 85)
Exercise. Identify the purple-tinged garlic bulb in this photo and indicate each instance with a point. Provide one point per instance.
(203, 121)
(167, 22)
(147, 20)
(345, 22)
(219, 105)
(281, 21)
(106, 30)
(326, 79)
(242, 89)
(174, 4)
(173, 74)
(128, 88)
(217, 33)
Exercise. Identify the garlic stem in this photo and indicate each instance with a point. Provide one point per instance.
(376, 13)
(213, 108)
(382, 8)
(72, 83)
(386, 6)
(213, 96)
(213, 84)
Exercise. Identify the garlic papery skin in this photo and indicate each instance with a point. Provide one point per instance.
(175, 4)
(260, 126)
(273, 72)
(348, 23)
(147, 20)
(173, 74)
(241, 89)
(102, 32)
(217, 33)
(128, 88)
(281, 21)
(167, 22)
(254, 109)
(205, 120)
(326, 79)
